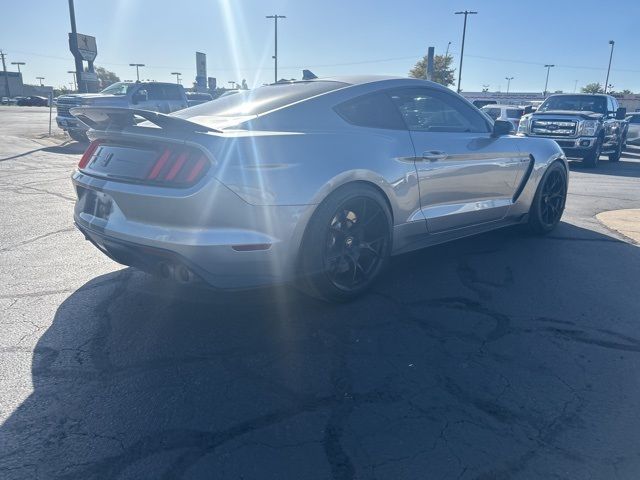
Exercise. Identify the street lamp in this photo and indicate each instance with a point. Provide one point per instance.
(18, 65)
(41, 79)
(177, 74)
(606, 83)
(275, 56)
(137, 65)
(546, 83)
(464, 33)
(508, 79)
(75, 87)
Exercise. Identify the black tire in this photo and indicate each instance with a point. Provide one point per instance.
(615, 156)
(79, 136)
(591, 159)
(347, 243)
(549, 201)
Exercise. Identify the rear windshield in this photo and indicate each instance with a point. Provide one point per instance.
(579, 103)
(515, 112)
(492, 112)
(260, 100)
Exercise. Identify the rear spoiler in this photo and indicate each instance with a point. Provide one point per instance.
(117, 118)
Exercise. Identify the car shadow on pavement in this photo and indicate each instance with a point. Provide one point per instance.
(69, 147)
(491, 357)
(623, 168)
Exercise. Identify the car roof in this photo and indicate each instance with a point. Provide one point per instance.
(501, 105)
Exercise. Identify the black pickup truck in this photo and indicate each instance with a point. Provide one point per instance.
(585, 126)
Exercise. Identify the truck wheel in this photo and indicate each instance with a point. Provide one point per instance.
(615, 156)
(591, 159)
(79, 136)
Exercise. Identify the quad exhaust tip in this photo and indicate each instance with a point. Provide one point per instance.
(177, 272)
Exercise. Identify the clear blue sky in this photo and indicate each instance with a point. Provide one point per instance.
(332, 37)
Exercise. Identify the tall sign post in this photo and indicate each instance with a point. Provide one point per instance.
(83, 47)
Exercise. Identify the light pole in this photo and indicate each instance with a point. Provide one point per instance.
(508, 79)
(73, 72)
(447, 52)
(17, 64)
(606, 83)
(137, 65)
(546, 83)
(464, 33)
(575, 86)
(41, 79)
(275, 56)
(177, 74)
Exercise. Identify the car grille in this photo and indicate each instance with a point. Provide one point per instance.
(554, 128)
(63, 106)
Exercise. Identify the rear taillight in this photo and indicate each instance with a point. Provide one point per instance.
(88, 154)
(178, 166)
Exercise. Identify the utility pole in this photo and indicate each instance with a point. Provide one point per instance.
(464, 33)
(78, 59)
(606, 83)
(41, 79)
(508, 79)
(546, 83)
(75, 87)
(177, 74)
(137, 65)
(17, 64)
(275, 56)
(6, 75)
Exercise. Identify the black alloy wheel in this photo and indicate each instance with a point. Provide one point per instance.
(356, 242)
(549, 202)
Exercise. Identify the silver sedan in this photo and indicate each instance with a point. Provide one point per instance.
(314, 182)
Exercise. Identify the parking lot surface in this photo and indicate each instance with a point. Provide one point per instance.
(498, 356)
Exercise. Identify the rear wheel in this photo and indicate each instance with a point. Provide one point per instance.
(549, 201)
(591, 160)
(347, 243)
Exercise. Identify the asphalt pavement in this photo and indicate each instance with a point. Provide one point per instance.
(501, 356)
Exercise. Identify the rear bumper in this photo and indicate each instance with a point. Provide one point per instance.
(234, 245)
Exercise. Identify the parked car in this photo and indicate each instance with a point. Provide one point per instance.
(585, 126)
(507, 113)
(33, 101)
(154, 96)
(315, 182)
(633, 134)
(196, 98)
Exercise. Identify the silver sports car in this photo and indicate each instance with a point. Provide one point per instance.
(315, 182)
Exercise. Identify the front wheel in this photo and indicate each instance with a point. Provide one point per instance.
(591, 160)
(79, 136)
(615, 156)
(347, 243)
(548, 203)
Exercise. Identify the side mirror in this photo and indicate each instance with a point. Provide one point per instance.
(621, 113)
(139, 96)
(501, 127)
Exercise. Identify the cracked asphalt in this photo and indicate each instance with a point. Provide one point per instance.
(500, 356)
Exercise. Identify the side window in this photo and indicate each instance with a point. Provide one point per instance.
(374, 110)
(492, 112)
(172, 92)
(155, 92)
(433, 111)
(615, 104)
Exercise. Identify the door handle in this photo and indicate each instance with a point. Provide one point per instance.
(434, 155)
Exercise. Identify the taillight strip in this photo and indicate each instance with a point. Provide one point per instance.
(86, 156)
(197, 168)
(155, 171)
(177, 166)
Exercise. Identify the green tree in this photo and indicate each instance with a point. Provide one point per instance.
(442, 71)
(593, 88)
(626, 91)
(105, 77)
